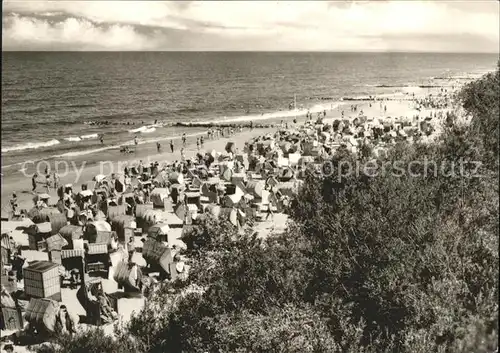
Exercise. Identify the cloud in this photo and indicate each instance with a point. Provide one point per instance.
(73, 34)
(252, 25)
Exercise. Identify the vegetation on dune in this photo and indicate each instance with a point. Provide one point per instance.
(388, 263)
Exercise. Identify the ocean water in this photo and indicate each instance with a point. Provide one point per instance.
(48, 96)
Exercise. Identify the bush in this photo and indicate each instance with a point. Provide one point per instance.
(91, 340)
(393, 263)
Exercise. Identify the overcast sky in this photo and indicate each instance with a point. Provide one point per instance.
(450, 26)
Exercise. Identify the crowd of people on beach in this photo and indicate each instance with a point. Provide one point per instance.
(213, 133)
(256, 182)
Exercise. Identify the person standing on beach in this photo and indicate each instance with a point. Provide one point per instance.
(47, 183)
(136, 141)
(198, 143)
(56, 180)
(183, 155)
(171, 146)
(184, 139)
(201, 141)
(158, 147)
(131, 247)
(270, 206)
(33, 182)
(13, 204)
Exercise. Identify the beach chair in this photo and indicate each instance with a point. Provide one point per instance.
(91, 307)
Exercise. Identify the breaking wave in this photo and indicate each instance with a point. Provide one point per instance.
(30, 145)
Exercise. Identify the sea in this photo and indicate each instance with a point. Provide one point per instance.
(51, 101)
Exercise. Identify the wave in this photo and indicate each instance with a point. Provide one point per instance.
(30, 145)
(131, 142)
(469, 76)
(282, 114)
(390, 86)
(88, 137)
(145, 129)
(73, 139)
(11, 165)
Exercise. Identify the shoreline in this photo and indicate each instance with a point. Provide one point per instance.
(56, 145)
(86, 167)
(74, 146)
(84, 172)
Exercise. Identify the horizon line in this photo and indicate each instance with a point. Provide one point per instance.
(254, 51)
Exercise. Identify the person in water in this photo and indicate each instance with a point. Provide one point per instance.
(171, 146)
(158, 147)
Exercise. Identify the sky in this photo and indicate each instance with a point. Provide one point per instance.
(404, 25)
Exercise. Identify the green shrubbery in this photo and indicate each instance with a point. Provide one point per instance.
(394, 263)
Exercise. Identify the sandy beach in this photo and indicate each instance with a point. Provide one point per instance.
(147, 153)
(397, 106)
(80, 173)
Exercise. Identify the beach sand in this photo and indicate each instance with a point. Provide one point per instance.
(275, 224)
(79, 173)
